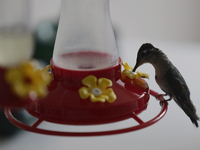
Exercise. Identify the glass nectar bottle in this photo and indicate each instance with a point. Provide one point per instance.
(85, 38)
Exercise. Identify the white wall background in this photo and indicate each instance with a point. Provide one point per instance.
(176, 20)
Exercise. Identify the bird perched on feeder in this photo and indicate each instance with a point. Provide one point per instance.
(168, 78)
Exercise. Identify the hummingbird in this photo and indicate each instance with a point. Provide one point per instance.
(168, 78)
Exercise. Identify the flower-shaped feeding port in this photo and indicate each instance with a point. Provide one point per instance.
(97, 90)
(133, 80)
(23, 83)
(129, 73)
(27, 82)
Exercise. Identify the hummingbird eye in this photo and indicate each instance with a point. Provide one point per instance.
(145, 49)
(144, 53)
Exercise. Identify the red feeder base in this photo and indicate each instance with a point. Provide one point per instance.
(63, 104)
(34, 128)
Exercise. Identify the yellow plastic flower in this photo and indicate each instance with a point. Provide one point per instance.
(128, 72)
(142, 75)
(25, 81)
(127, 66)
(97, 90)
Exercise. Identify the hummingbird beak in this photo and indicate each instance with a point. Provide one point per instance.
(136, 66)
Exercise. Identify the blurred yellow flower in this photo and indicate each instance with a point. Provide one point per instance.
(97, 90)
(27, 82)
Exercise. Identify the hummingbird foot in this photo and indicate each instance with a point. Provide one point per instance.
(161, 98)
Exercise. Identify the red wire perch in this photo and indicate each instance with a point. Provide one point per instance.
(141, 125)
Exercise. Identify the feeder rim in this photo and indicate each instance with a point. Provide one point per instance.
(33, 128)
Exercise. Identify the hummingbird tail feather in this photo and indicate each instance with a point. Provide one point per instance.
(195, 122)
(190, 111)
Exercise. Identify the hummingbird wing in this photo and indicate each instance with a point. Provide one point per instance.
(180, 93)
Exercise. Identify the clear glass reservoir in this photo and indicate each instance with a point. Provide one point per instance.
(85, 38)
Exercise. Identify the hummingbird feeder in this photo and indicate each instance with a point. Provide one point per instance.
(88, 86)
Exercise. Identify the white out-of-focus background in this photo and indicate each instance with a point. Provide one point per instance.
(171, 25)
(168, 20)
